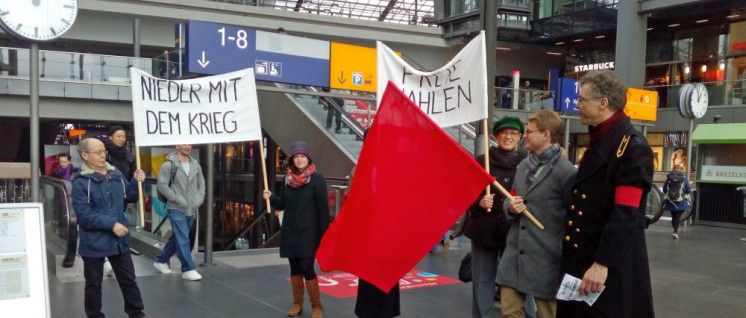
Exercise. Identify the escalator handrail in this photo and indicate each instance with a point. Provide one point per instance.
(71, 248)
(350, 121)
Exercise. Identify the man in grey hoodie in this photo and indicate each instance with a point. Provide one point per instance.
(184, 194)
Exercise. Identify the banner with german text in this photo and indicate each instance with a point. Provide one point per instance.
(452, 95)
(214, 109)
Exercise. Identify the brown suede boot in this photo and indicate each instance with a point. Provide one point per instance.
(296, 309)
(315, 296)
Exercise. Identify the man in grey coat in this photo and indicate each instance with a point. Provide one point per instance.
(184, 190)
(530, 264)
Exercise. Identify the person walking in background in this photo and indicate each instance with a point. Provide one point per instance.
(117, 154)
(98, 196)
(487, 230)
(305, 220)
(530, 264)
(604, 243)
(676, 199)
(185, 193)
(66, 169)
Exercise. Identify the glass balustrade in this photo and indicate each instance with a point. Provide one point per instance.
(72, 66)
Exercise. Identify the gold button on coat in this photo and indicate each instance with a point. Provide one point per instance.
(583, 196)
(567, 238)
(572, 207)
(580, 213)
(575, 245)
(569, 223)
(577, 230)
(575, 191)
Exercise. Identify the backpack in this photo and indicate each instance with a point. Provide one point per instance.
(675, 189)
(161, 197)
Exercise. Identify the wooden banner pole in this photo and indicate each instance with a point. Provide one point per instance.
(525, 212)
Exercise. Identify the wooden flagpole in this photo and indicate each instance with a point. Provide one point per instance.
(486, 140)
(525, 212)
(140, 204)
(264, 171)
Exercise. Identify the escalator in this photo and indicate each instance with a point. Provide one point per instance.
(60, 227)
(288, 118)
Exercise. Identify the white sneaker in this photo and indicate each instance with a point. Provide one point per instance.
(163, 267)
(108, 270)
(191, 275)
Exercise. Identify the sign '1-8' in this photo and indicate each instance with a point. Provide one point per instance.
(241, 38)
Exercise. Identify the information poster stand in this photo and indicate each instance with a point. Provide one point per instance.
(24, 285)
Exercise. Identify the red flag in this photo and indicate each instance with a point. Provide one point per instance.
(411, 183)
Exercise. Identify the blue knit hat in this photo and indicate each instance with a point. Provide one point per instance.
(300, 147)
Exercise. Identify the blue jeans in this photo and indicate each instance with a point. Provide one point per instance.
(181, 225)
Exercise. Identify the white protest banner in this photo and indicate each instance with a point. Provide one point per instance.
(452, 95)
(214, 109)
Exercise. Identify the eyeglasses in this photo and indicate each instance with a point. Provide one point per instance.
(583, 100)
(529, 131)
(510, 133)
(99, 153)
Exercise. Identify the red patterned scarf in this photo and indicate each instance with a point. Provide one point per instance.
(298, 180)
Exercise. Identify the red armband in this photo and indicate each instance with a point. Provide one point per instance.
(629, 196)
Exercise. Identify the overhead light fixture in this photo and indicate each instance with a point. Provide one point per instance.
(578, 40)
(650, 29)
(722, 66)
(673, 25)
(559, 43)
(702, 21)
(600, 36)
(501, 48)
(733, 16)
(704, 68)
(686, 70)
(554, 53)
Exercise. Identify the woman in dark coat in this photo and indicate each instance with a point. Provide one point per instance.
(676, 207)
(488, 230)
(305, 219)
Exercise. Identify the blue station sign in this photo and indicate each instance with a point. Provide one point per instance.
(213, 48)
(568, 97)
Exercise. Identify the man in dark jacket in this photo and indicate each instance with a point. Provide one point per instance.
(604, 242)
(488, 229)
(98, 196)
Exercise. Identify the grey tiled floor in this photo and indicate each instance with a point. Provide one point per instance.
(700, 275)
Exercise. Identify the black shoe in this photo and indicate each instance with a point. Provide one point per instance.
(338, 131)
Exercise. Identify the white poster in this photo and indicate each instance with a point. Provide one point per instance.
(214, 109)
(728, 174)
(452, 95)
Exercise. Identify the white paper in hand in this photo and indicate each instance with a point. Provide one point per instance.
(569, 290)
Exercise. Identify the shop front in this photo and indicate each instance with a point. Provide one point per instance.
(721, 170)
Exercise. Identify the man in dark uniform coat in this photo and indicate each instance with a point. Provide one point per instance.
(604, 242)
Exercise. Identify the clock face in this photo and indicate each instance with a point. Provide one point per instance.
(38, 20)
(699, 100)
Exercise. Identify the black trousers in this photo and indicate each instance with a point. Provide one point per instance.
(374, 303)
(93, 270)
(675, 220)
(302, 266)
